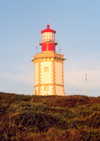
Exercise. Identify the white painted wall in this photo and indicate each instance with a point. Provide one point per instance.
(46, 77)
(58, 73)
(36, 73)
(36, 90)
(43, 92)
(59, 90)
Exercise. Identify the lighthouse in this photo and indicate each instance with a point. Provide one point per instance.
(48, 67)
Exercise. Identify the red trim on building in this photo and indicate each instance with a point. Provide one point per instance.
(48, 30)
(48, 47)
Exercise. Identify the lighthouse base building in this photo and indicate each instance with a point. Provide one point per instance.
(48, 68)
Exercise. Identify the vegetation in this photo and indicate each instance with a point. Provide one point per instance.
(49, 118)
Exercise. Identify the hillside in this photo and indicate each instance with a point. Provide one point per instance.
(49, 118)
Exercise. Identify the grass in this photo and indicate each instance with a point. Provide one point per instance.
(48, 118)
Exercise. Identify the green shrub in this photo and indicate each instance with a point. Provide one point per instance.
(43, 118)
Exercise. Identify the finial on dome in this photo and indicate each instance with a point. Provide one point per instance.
(48, 26)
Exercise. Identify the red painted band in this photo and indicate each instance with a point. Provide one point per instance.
(48, 47)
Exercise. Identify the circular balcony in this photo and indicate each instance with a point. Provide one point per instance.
(48, 41)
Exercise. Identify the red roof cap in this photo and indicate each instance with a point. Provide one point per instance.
(48, 29)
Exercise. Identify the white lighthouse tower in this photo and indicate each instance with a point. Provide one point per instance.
(48, 67)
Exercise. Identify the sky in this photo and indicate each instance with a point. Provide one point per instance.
(77, 25)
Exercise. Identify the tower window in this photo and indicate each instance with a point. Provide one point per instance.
(46, 69)
(46, 88)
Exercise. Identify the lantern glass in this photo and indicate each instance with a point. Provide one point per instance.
(48, 37)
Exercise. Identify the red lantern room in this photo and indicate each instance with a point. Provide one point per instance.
(48, 39)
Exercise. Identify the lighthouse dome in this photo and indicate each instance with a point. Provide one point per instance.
(48, 29)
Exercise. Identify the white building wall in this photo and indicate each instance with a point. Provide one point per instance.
(36, 90)
(59, 90)
(46, 77)
(36, 73)
(53, 78)
(58, 73)
(43, 92)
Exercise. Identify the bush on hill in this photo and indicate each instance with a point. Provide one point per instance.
(49, 118)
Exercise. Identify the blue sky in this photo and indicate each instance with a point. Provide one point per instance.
(77, 25)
